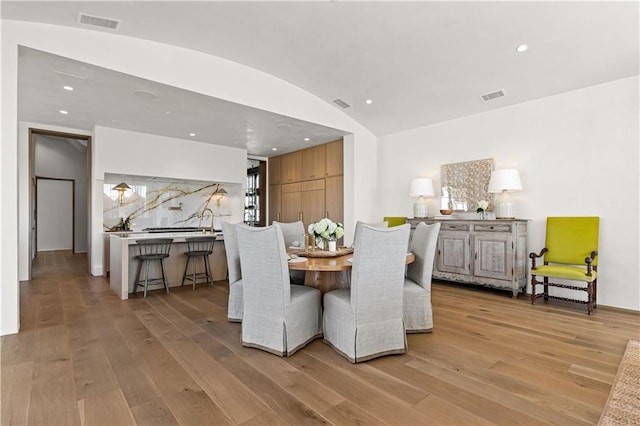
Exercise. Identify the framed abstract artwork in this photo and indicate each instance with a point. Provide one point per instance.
(466, 183)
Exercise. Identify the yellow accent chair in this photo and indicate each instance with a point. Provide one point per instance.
(570, 253)
(395, 220)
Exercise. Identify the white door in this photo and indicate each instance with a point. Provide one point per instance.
(54, 216)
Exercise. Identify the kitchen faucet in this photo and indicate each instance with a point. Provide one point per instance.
(202, 217)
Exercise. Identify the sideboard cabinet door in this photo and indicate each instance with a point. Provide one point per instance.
(493, 257)
(453, 253)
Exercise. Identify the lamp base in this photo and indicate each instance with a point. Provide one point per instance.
(505, 208)
(420, 208)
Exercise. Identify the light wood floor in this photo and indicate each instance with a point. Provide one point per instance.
(85, 357)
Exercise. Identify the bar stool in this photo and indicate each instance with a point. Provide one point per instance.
(150, 250)
(198, 247)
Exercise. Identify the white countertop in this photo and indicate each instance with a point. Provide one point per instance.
(132, 236)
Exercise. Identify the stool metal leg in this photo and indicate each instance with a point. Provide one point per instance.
(186, 267)
(164, 277)
(194, 267)
(137, 281)
(146, 277)
(210, 272)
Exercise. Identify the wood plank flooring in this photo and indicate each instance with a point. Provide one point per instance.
(85, 357)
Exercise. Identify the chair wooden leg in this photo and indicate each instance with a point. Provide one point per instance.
(589, 298)
(533, 289)
(546, 288)
(595, 293)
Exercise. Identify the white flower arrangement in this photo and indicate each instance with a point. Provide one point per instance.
(483, 205)
(325, 230)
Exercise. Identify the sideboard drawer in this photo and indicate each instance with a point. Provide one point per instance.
(488, 227)
(454, 226)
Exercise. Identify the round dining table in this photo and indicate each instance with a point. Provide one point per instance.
(326, 273)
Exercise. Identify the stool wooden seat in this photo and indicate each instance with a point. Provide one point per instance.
(149, 250)
(198, 247)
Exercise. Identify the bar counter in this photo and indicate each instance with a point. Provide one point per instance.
(123, 263)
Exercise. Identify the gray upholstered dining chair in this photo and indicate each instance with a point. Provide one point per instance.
(418, 315)
(293, 234)
(365, 321)
(234, 307)
(278, 317)
(384, 224)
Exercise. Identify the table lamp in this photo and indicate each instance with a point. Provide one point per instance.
(421, 188)
(502, 182)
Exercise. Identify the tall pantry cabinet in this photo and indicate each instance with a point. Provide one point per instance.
(307, 185)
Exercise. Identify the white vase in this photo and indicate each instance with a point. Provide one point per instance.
(332, 245)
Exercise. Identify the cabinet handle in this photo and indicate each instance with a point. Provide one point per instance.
(326, 214)
(278, 216)
(475, 256)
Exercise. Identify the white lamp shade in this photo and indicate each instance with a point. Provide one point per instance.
(504, 180)
(421, 187)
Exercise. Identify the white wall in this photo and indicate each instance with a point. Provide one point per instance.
(57, 158)
(198, 72)
(577, 154)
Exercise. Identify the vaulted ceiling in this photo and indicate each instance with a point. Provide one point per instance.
(419, 63)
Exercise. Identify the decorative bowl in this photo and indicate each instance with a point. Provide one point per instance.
(446, 212)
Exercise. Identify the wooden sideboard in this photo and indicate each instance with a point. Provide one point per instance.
(490, 253)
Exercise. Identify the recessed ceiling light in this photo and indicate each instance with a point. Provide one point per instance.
(369, 101)
(307, 139)
(168, 112)
(274, 149)
(192, 134)
(63, 112)
(69, 88)
(522, 48)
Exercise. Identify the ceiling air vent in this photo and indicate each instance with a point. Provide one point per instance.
(493, 95)
(341, 103)
(97, 21)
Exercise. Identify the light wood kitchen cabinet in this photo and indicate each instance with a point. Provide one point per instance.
(275, 170)
(491, 253)
(314, 162)
(334, 198)
(291, 167)
(312, 201)
(291, 202)
(275, 202)
(303, 201)
(300, 196)
(334, 158)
